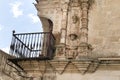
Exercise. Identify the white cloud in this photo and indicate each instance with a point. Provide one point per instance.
(34, 18)
(15, 8)
(1, 27)
(6, 49)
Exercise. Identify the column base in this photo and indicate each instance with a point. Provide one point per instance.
(60, 51)
(84, 50)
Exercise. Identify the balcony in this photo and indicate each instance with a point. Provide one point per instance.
(33, 45)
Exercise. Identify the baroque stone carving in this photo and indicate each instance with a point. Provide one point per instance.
(60, 51)
(71, 50)
(73, 37)
(74, 19)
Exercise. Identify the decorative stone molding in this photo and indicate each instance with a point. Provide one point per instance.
(71, 52)
(59, 66)
(60, 51)
(84, 50)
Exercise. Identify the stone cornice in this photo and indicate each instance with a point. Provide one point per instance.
(61, 66)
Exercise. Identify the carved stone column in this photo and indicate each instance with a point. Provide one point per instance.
(60, 49)
(84, 21)
(84, 46)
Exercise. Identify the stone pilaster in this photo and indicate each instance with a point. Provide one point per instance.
(84, 21)
(60, 49)
(84, 46)
(65, 6)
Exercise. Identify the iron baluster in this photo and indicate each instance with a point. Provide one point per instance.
(40, 44)
(28, 53)
(31, 45)
(23, 45)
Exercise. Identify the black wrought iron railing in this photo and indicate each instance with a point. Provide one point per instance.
(33, 45)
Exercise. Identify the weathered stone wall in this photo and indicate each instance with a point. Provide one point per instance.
(103, 31)
(7, 72)
(103, 23)
(103, 35)
(104, 27)
(99, 75)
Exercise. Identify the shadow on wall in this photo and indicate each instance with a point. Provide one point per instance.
(47, 24)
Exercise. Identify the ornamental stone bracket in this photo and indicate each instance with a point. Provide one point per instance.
(64, 52)
(40, 68)
(35, 68)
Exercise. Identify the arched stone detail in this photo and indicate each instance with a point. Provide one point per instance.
(47, 24)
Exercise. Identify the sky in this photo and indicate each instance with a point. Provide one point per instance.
(18, 15)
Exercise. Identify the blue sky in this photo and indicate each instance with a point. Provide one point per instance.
(18, 15)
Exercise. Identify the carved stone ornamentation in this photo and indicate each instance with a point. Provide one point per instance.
(71, 50)
(84, 47)
(73, 36)
(74, 19)
(60, 51)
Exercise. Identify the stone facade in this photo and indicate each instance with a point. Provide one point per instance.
(104, 27)
(94, 23)
(70, 19)
(87, 42)
(84, 29)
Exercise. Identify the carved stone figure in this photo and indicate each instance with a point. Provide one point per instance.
(71, 50)
(74, 19)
